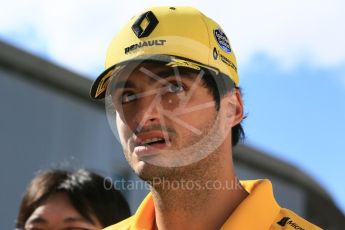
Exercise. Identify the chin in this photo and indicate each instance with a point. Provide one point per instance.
(152, 173)
(147, 171)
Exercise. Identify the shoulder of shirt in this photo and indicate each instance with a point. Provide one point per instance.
(123, 225)
(287, 219)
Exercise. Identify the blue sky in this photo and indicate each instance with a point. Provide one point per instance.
(298, 115)
(291, 58)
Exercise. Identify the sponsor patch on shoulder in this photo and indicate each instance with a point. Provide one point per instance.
(222, 40)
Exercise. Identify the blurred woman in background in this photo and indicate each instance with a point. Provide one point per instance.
(60, 199)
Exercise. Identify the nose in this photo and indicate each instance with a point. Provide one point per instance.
(147, 111)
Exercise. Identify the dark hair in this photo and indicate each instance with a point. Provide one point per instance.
(88, 192)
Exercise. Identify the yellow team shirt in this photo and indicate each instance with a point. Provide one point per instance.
(259, 211)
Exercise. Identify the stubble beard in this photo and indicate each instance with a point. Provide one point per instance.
(204, 148)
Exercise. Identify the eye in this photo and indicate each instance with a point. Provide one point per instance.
(175, 87)
(127, 97)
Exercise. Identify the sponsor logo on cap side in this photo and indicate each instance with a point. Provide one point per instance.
(222, 40)
(215, 53)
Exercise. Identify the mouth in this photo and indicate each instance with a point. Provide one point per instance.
(150, 143)
(153, 141)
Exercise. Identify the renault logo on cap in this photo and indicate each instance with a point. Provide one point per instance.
(145, 24)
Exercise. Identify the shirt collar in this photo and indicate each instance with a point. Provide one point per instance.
(144, 217)
(257, 211)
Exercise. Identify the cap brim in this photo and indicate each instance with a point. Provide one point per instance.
(99, 86)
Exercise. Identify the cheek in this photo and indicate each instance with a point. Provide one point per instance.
(124, 113)
(195, 109)
(123, 129)
(188, 123)
(172, 102)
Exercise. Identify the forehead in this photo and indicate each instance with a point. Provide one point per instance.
(56, 210)
(55, 203)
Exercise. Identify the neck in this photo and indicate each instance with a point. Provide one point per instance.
(203, 199)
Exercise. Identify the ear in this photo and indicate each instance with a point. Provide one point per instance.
(234, 108)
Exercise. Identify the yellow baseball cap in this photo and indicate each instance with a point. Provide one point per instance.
(177, 36)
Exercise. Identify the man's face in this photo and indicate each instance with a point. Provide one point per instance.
(165, 117)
